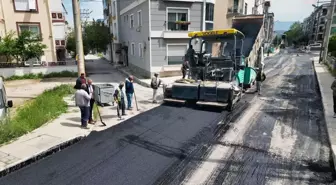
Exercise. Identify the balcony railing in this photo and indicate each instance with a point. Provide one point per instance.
(178, 26)
(234, 10)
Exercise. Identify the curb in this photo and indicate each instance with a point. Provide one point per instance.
(137, 80)
(29, 160)
(333, 155)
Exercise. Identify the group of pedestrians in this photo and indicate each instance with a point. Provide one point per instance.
(84, 96)
(84, 99)
(119, 96)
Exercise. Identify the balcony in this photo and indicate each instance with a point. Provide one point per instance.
(233, 11)
(177, 29)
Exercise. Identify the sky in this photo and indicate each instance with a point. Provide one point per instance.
(284, 10)
(96, 6)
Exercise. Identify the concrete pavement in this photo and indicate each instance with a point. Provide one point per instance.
(325, 80)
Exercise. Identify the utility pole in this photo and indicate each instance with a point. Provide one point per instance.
(328, 28)
(79, 38)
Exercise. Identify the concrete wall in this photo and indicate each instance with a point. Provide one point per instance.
(136, 35)
(42, 16)
(20, 71)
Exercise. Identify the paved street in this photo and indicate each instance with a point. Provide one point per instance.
(277, 138)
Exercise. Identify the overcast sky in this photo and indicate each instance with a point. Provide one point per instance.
(284, 10)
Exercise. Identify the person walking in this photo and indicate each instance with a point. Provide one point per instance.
(82, 100)
(260, 78)
(119, 97)
(129, 89)
(80, 80)
(155, 84)
(92, 100)
(333, 87)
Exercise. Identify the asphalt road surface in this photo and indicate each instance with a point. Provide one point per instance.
(277, 138)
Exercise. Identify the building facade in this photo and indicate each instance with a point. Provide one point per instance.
(43, 18)
(314, 25)
(152, 35)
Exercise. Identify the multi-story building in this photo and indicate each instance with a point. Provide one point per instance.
(314, 25)
(44, 18)
(152, 35)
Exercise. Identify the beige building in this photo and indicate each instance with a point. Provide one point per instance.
(43, 17)
(225, 10)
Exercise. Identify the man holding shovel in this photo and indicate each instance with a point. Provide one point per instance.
(129, 89)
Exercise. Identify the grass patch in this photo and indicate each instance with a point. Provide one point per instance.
(46, 107)
(41, 76)
(100, 55)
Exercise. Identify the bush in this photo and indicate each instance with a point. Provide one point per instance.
(40, 75)
(46, 107)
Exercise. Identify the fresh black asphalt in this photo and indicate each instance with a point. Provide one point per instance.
(166, 144)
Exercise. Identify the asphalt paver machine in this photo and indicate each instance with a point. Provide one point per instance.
(215, 59)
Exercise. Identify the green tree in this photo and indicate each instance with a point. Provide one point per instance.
(7, 46)
(277, 40)
(71, 44)
(28, 46)
(97, 36)
(295, 33)
(332, 45)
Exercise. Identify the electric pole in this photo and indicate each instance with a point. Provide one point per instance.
(327, 31)
(79, 38)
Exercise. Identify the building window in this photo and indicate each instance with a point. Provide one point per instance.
(140, 50)
(139, 18)
(34, 28)
(209, 12)
(125, 18)
(245, 9)
(176, 53)
(25, 5)
(132, 49)
(324, 12)
(114, 10)
(131, 21)
(177, 15)
(115, 28)
(334, 20)
(59, 15)
(53, 15)
(208, 26)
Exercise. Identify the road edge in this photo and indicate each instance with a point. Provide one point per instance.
(40, 155)
(329, 129)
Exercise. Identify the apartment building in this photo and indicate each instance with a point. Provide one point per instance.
(42, 17)
(152, 35)
(314, 25)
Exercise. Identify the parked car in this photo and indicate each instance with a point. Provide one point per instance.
(5, 104)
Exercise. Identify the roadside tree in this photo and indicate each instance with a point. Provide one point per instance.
(97, 36)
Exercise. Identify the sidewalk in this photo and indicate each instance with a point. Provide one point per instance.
(66, 128)
(145, 81)
(60, 132)
(325, 80)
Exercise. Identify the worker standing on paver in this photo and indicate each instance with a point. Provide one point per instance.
(119, 97)
(260, 78)
(155, 84)
(92, 101)
(185, 67)
(129, 89)
(82, 100)
(333, 87)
